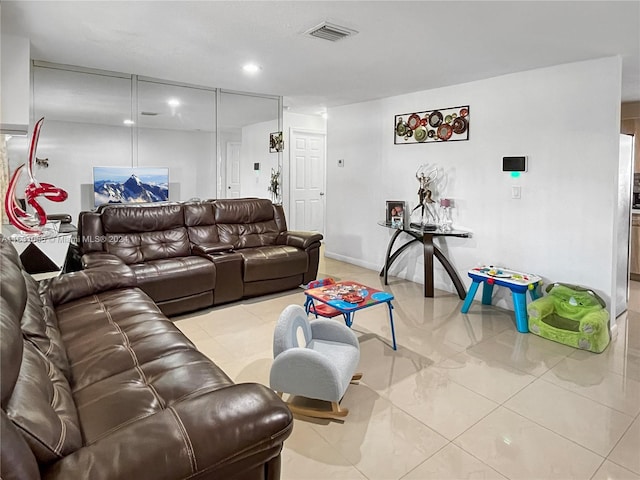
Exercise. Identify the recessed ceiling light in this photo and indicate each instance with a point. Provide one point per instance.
(173, 102)
(324, 115)
(251, 68)
(128, 122)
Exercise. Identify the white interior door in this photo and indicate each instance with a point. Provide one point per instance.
(307, 168)
(233, 169)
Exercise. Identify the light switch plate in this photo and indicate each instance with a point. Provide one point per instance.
(516, 192)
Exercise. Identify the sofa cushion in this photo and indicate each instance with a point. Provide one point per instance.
(200, 221)
(243, 210)
(40, 326)
(17, 461)
(144, 246)
(126, 329)
(129, 218)
(145, 389)
(33, 309)
(248, 235)
(272, 262)
(246, 223)
(50, 424)
(175, 277)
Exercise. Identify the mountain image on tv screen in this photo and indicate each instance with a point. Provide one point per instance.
(130, 185)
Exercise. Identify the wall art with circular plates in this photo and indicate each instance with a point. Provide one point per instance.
(440, 125)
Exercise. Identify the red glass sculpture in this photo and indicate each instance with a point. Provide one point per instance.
(27, 222)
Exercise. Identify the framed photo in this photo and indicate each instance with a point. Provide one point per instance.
(395, 212)
(276, 142)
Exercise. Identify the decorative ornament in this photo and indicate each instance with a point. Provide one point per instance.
(429, 216)
(27, 222)
(274, 185)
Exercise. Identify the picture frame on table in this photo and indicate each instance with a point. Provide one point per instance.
(395, 213)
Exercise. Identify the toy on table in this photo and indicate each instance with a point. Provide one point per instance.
(518, 282)
(572, 315)
(322, 309)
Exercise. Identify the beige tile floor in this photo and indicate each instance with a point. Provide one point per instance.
(463, 397)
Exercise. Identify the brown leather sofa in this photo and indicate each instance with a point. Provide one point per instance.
(192, 255)
(96, 383)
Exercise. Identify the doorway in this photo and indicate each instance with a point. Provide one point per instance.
(307, 170)
(233, 169)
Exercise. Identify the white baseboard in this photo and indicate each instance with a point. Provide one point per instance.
(353, 261)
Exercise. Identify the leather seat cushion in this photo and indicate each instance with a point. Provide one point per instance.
(129, 362)
(172, 278)
(126, 330)
(144, 390)
(273, 262)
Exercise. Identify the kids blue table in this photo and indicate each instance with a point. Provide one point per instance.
(518, 282)
(349, 297)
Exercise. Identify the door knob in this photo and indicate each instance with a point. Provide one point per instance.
(322, 194)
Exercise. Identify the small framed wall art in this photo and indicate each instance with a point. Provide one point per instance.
(276, 143)
(395, 213)
(441, 125)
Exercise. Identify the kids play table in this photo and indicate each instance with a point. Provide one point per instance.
(518, 282)
(348, 297)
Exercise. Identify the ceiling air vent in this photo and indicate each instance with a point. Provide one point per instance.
(329, 31)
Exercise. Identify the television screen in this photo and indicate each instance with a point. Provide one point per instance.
(130, 185)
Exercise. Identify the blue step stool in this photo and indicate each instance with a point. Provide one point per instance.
(518, 282)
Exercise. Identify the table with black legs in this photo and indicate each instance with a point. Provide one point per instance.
(425, 236)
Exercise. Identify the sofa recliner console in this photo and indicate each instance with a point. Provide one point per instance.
(96, 383)
(192, 255)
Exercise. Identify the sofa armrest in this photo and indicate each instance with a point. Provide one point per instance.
(302, 240)
(541, 307)
(71, 286)
(214, 434)
(211, 248)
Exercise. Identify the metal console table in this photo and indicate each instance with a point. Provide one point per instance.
(430, 250)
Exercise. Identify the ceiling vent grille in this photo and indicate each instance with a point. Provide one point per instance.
(329, 31)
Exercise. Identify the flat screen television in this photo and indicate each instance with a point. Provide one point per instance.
(130, 185)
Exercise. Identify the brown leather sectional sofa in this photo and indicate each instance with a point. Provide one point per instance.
(96, 383)
(192, 255)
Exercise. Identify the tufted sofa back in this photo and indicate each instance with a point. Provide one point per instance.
(34, 371)
(200, 220)
(246, 223)
(139, 233)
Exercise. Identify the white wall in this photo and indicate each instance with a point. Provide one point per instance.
(564, 118)
(15, 84)
(189, 155)
(255, 149)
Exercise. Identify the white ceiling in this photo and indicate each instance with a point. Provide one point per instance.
(401, 46)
